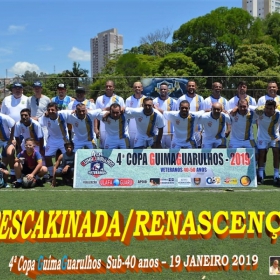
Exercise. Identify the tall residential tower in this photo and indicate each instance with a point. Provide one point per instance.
(101, 46)
(260, 8)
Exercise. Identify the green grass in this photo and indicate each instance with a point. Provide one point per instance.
(260, 199)
(263, 198)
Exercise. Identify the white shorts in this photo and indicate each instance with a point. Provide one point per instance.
(175, 144)
(84, 145)
(102, 139)
(166, 141)
(197, 137)
(144, 141)
(265, 144)
(132, 135)
(242, 144)
(53, 145)
(112, 143)
(213, 143)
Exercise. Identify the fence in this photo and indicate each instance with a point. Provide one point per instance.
(123, 84)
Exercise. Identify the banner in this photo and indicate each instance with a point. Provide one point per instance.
(176, 86)
(164, 168)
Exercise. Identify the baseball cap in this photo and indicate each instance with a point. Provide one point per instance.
(17, 85)
(61, 85)
(37, 84)
(80, 90)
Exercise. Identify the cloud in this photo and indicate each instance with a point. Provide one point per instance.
(5, 51)
(76, 54)
(16, 28)
(21, 67)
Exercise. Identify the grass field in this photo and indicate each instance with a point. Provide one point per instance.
(263, 198)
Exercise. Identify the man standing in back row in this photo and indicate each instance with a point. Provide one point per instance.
(134, 101)
(196, 103)
(102, 102)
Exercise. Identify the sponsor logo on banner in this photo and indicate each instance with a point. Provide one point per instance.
(245, 181)
(97, 164)
(154, 181)
(184, 182)
(231, 181)
(167, 182)
(213, 181)
(116, 182)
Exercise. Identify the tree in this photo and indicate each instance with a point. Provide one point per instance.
(156, 36)
(272, 26)
(261, 55)
(30, 77)
(76, 74)
(222, 30)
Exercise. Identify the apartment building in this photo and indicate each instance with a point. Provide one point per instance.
(101, 46)
(260, 8)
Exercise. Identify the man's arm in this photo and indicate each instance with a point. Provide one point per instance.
(36, 169)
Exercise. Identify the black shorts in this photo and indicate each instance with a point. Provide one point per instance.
(26, 170)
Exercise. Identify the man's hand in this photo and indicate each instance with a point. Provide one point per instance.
(30, 177)
(65, 169)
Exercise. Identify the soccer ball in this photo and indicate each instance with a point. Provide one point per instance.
(28, 183)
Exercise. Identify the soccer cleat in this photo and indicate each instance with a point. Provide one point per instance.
(276, 182)
(18, 185)
(260, 181)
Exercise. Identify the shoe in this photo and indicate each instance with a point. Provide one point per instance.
(39, 183)
(276, 182)
(12, 179)
(18, 185)
(260, 181)
(47, 178)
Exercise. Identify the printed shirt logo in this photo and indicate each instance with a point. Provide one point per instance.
(210, 124)
(140, 119)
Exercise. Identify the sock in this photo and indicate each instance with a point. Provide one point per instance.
(12, 172)
(260, 172)
(50, 169)
(19, 180)
(276, 173)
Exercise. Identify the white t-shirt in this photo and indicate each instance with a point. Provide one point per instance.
(169, 104)
(210, 100)
(57, 129)
(184, 128)
(117, 129)
(12, 106)
(234, 101)
(214, 128)
(104, 101)
(83, 129)
(242, 126)
(132, 102)
(146, 125)
(6, 124)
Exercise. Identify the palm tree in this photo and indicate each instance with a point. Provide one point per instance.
(76, 74)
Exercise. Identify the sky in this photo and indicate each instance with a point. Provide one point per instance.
(48, 36)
